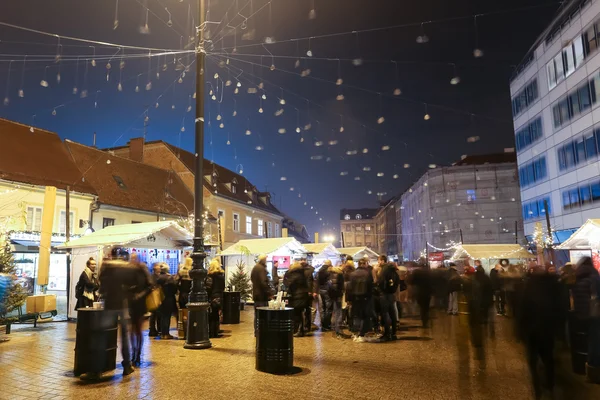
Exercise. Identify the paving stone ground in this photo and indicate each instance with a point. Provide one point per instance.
(436, 364)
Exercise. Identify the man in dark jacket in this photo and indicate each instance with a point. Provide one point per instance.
(297, 285)
(322, 281)
(154, 316)
(388, 282)
(454, 286)
(116, 277)
(168, 306)
(312, 292)
(336, 293)
(421, 283)
(497, 276)
(275, 276)
(359, 295)
(479, 294)
(261, 291)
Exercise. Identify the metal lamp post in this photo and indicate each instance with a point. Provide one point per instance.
(197, 328)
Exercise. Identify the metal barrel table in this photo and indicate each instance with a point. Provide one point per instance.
(231, 307)
(275, 340)
(96, 341)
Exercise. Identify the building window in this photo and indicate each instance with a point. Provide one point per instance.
(348, 228)
(582, 149)
(576, 101)
(136, 222)
(367, 227)
(358, 243)
(584, 194)
(108, 222)
(471, 196)
(120, 182)
(269, 229)
(590, 40)
(277, 230)
(525, 98)
(249, 225)
(358, 228)
(528, 135)
(536, 208)
(533, 172)
(565, 63)
(62, 226)
(236, 222)
(34, 219)
(260, 227)
(348, 244)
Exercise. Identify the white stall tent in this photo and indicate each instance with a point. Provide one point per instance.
(490, 254)
(322, 252)
(360, 252)
(247, 251)
(586, 237)
(148, 235)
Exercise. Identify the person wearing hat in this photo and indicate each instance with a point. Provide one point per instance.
(323, 283)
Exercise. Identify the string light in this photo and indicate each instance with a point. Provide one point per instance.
(455, 79)
(477, 52)
(422, 38)
(6, 98)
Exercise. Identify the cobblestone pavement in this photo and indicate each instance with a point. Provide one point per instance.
(436, 364)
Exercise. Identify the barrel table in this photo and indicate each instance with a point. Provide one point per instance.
(275, 340)
(95, 341)
(231, 307)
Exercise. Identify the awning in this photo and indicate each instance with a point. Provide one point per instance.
(586, 237)
(326, 249)
(263, 246)
(163, 234)
(490, 251)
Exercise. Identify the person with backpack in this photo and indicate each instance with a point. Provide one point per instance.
(359, 296)
(326, 309)
(388, 282)
(335, 289)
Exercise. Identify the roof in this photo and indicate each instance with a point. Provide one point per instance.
(224, 176)
(482, 159)
(262, 246)
(365, 213)
(129, 233)
(358, 252)
(127, 183)
(588, 232)
(319, 248)
(37, 158)
(491, 251)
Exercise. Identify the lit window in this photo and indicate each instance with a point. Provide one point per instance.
(108, 222)
(471, 195)
(249, 225)
(260, 227)
(236, 222)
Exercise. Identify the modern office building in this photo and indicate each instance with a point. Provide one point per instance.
(555, 101)
(475, 201)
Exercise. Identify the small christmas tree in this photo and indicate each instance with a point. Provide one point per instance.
(15, 295)
(241, 281)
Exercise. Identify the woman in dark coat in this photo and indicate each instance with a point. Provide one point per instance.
(87, 286)
(215, 286)
(168, 306)
(137, 305)
(297, 286)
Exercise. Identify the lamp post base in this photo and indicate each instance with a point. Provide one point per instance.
(197, 327)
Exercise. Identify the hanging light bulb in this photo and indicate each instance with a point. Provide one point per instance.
(366, 169)
(93, 62)
(279, 112)
(351, 152)
(44, 83)
(341, 129)
(108, 162)
(156, 105)
(297, 64)
(369, 192)
(6, 101)
(259, 148)
(239, 84)
(272, 67)
(319, 144)
(234, 113)
(406, 165)
(248, 132)
(343, 173)
(137, 88)
(194, 95)
(54, 112)
(385, 148)
(172, 106)
(395, 176)
(281, 131)
(188, 109)
(339, 81)
(214, 97)
(380, 120)
(333, 142)
(228, 82)
(432, 166)
(477, 53)
(301, 140)
(122, 65)
(236, 91)
(423, 38)
(219, 117)
(264, 96)
(216, 75)
(149, 85)
(75, 90)
(298, 130)
(221, 125)
(182, 128)
(83, 94)
(58, 77)
(397, 92)
(339, 97)
(282, 102)
(365, 150)
(380, 174)
(455, 80)
(108, 65)
(260, 110)
(427, 117)
(357, 62)
(312, 14)
(307, 126)
(228, 142)
(357, 178)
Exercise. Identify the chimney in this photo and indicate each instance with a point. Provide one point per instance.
(316, 237)
(136, 149)
(94, 141)
(284, 232)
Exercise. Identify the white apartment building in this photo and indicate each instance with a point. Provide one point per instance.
(556, 110)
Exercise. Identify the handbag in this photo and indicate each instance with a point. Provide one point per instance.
(154, 299)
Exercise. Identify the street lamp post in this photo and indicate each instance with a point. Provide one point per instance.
(197, 328)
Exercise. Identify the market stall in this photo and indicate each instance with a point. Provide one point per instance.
(585, 242)
(162, 241)
(246, 252)
(321, 252)
(491, 254)
(359, 252)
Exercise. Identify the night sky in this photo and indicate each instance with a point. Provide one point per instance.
(478, 106)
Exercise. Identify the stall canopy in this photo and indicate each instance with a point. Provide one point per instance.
(322, 252)
(490, 251)
(264, 246)
(359, 252)
(167, 234)
(586, 237)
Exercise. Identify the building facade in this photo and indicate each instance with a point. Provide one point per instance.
(358, 227)
(555, 100)
(244, 211)
(386, 228)
(474, 201)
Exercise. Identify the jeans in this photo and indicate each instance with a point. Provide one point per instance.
(326, 309)
(500, 301)
(256, 305)
(361, 310)
(388, 316)
(453, 303)
(337, 314)
(125, 352)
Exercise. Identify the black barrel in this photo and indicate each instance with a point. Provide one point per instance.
(578, 336)
(275, 340)
(96, 341)
(231, 307)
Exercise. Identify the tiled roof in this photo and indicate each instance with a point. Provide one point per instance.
(37, 158)
(130, 184)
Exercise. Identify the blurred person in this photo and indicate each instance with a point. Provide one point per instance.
(154, 329)
(388, 282)
(261, 290)
(275, 276)
(324, 282)
(422, 291)
(215, 286)
(513, 279)
(184, 282)
(86, 289)
(169, 286)
(297, 286)
(402, 292)
(454, 287)
(440, 286)
(312, 293)
(360, 290)
(140, 288)
(535, 324)
(116, 276)
(347, 269)
(497, 276)
(480, 298)
(336, 293)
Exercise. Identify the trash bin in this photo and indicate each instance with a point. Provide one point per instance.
(275, 340)
(578, 336)
(231, 307)
(95, 341)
